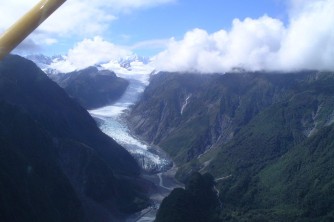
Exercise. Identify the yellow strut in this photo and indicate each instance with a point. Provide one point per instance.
(27, 24)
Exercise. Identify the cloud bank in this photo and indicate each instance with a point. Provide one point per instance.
(97, 51)
(90, 52)
(306, 42)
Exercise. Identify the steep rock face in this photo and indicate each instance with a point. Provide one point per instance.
(98, 169)
(92, 88)
(188, 114)
(275, 163)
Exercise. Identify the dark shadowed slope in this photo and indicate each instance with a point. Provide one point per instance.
(92, 88)
(103, 175)
(23, 84)
(32, 186)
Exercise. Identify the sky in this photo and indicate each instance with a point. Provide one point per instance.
(185, 35)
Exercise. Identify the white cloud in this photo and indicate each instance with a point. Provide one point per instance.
(307, 42)
(139, 70)
(90, 52)
(109, 56)
(247, 44)
(75, 16)
(10, 11)
(50, 41)
(80, 18)
(97, 51)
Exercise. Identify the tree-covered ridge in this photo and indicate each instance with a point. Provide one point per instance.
(198, 202)
(196, 112)
(264, 136)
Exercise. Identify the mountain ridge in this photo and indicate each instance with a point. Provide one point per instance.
(104, 177)
(248, 130)
(52, 65)
(224, 106)
(92, 88)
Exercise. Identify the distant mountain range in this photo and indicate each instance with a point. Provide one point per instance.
(266, 137)
(97, 85)
(118, 65)
(44, 62)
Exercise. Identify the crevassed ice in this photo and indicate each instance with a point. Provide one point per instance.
(119, 132)
(111, 124)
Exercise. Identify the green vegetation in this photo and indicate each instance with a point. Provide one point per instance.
(304, 178)
(278, 158)
(218, 106)
(266, 137)
(198, 202)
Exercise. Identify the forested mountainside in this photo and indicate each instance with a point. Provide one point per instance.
(197, 202)
(91, 87)
(197, 111)
(266, 138)
(56, 165)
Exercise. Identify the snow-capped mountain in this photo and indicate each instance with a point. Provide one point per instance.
(43, 61)
(129, 65)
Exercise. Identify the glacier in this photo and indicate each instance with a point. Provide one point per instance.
(111, 121)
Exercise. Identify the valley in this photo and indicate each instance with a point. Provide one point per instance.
(247, 138)
(156, 165)
(249, 130)
(56, 165)
(167, 111)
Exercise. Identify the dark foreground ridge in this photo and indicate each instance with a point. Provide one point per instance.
(55, 164)
(197, 202)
